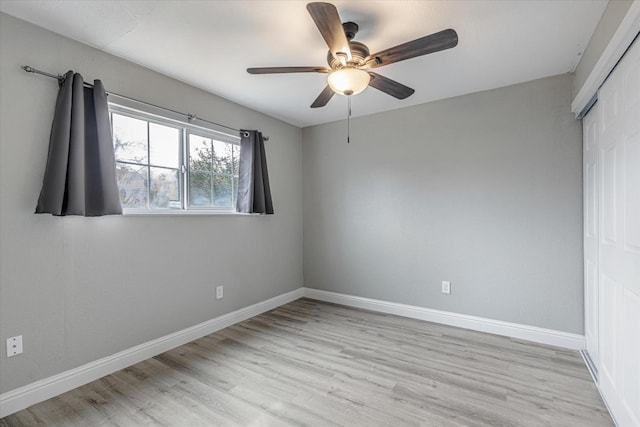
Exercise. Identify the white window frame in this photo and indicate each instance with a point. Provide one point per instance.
(186, 128)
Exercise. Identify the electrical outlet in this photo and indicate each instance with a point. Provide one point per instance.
(446, 287)
(219, 292)
(14, 346)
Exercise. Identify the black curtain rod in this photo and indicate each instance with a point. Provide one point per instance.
(190, 117)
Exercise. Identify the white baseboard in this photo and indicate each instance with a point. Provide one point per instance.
(497, 327)
(23, 397)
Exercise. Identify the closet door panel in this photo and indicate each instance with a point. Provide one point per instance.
(619, 242)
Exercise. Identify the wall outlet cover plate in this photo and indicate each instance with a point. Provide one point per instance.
(14, 346)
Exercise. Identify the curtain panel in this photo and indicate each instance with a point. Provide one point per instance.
(80, 175)
(254, 193)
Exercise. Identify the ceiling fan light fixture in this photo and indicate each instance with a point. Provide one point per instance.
(348, 81)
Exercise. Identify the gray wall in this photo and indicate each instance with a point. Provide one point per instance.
(609, 23)
(484, 190)
(79, 289)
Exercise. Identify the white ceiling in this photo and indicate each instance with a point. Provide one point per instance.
(209, 44)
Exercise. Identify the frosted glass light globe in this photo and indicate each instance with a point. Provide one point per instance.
(348, 81)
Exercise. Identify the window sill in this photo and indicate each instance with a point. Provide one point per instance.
(176, 212)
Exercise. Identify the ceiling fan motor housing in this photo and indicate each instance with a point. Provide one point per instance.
(359, 51)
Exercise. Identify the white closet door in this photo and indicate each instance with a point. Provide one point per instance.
(591, 137)
(619, 213)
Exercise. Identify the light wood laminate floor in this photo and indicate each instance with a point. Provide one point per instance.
(318, 364)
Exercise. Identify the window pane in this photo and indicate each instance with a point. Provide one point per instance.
(222, 190)
(222, 157)
(164, 145)
(200, 154)
(132, 183)
(164, 189)
(200, 189)
(130, 139)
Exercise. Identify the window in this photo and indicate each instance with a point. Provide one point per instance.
(213, 171)
(163, 165)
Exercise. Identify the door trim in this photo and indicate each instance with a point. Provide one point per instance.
(621, 40)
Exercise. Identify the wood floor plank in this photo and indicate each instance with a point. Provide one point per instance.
(310, 363)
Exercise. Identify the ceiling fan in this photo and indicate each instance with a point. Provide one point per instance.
(350, 63)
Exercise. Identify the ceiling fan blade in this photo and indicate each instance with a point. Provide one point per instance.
(326, 17)
(442, 40)
(390, 87)
(276, 70)
(324, 97)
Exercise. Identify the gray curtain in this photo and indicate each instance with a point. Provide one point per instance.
(80, 177)
(254, 194)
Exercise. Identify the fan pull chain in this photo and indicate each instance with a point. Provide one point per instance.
(349, 119)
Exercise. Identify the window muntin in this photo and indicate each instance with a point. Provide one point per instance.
(163, 165)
